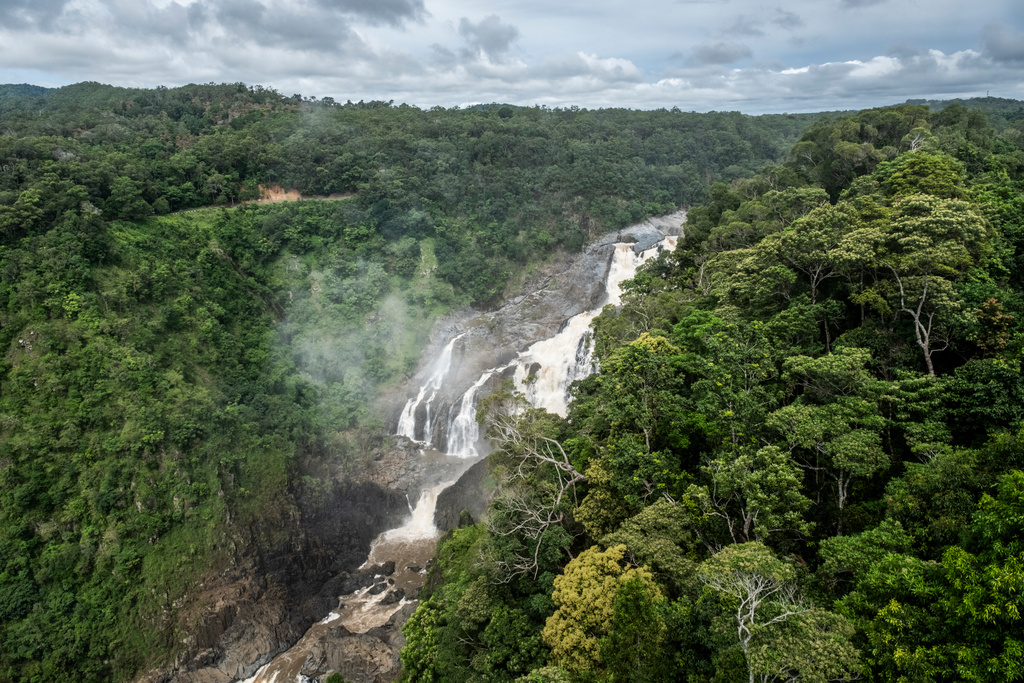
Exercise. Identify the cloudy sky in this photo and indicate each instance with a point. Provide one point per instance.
(746, 55)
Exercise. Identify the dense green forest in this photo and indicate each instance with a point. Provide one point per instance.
(181, 369)
(802, 457)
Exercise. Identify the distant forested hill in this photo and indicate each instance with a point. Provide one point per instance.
(802, 457)
(186, 377)
(22, 90)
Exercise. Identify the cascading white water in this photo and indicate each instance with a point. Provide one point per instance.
(407, 422)
(561, 359)
(418, 527)
(558, 361)
(464, 432)
(568, 356)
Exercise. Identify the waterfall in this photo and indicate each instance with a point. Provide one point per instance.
(418, 527)
(545, 371)
(464, 432)
(407, 423)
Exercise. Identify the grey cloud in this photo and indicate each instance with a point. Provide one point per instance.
(719, 52)
(442, 57)
(489, 35)
(905, 52)
(314, 29)
(27, 13)
(745, 26)
(1003, 44)
(854, 4)
(174, 22)
(198, 15)
(318, 25)
(576, 66)
(393, 12)
(787, 19)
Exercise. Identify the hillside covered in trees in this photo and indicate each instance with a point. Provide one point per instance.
(187, 378)
(801, 459)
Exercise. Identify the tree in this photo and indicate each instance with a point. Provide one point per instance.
(833, 427)
(126, 200)
(754, 494)
(782, 637)
(660, 537)
(809, 245)
(929, 246)
(632, 650)
(586, 597)
(540, 479)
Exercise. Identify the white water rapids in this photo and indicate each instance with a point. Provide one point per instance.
(568, 356)
(543, 372)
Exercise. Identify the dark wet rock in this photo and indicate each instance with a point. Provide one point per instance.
(239, 619)
(413, 568)
(471, 494)
(383, 569)
(394, 597)
(371, 657)
(379, 588)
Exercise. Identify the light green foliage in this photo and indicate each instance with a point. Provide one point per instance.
(929, 245)
(585, 596)
(844, 556)
(660, 537)
(781, 636)
(834, 425)
(920, 172)
(753, 495)
(546, 674)
(602, 510)
(813, 646)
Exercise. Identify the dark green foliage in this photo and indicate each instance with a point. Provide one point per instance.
(807, 424)
(168, 384)
(498, 187)
(827, 371)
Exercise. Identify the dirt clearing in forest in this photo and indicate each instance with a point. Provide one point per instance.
(275, 194)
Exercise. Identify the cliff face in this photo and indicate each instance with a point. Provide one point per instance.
(472, 493)
(239, 618)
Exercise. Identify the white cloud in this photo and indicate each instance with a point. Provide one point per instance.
(738, 54)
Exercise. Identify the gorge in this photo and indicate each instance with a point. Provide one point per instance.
(359, 637)
(543, 369)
